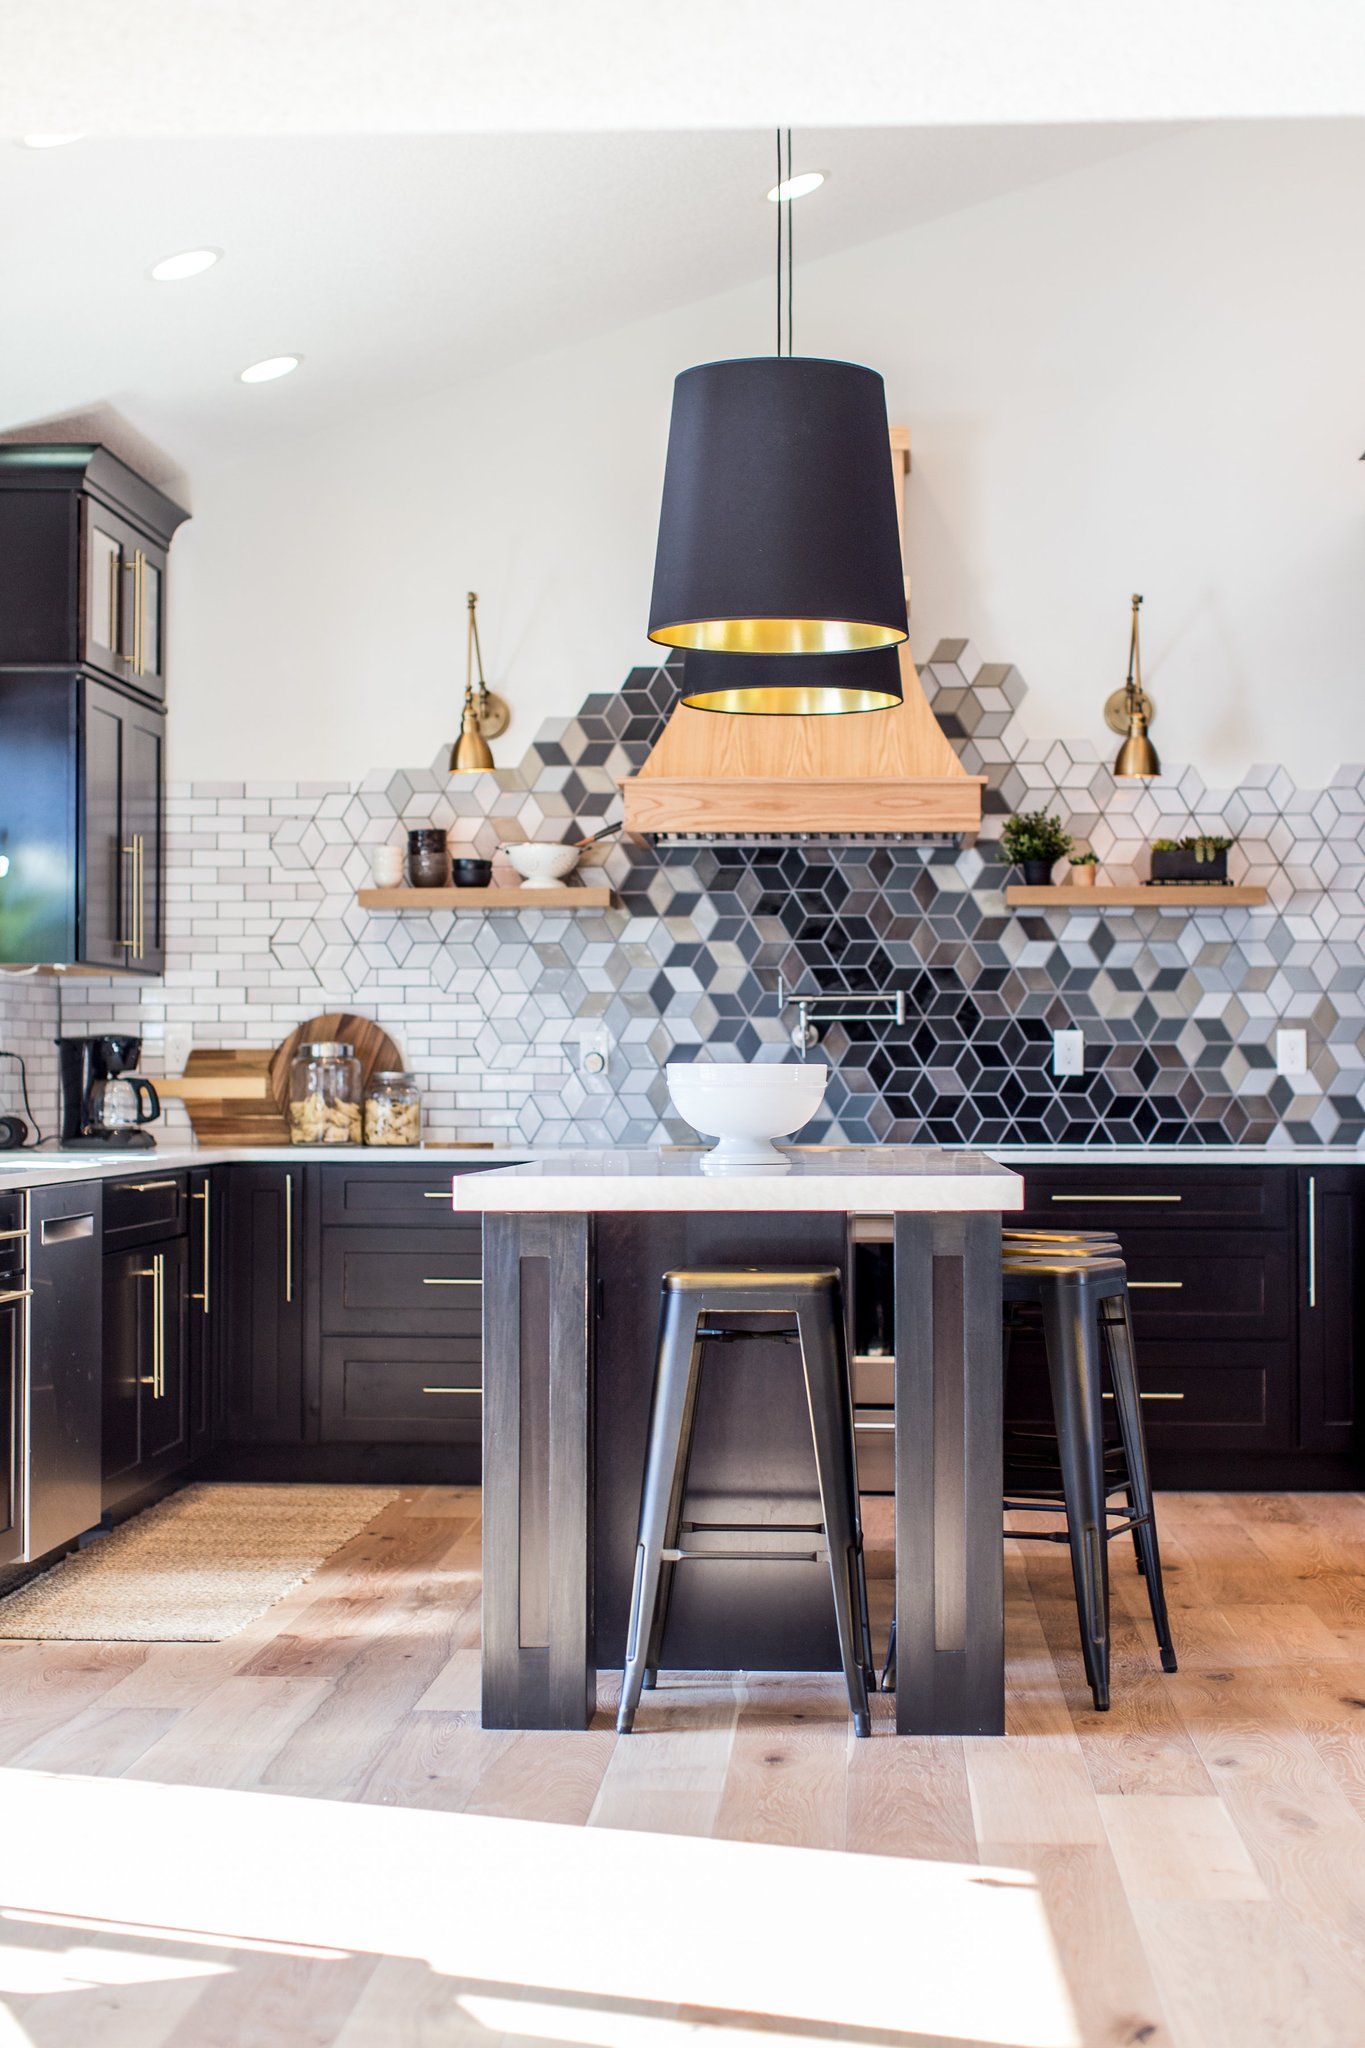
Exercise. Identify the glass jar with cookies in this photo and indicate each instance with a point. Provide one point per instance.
(325, 1094)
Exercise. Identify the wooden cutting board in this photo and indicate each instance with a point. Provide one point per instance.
(239, 1095)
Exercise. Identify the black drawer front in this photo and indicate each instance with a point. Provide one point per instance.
(1110, 1197)
(378, 1195)
(1220, 1286)
(1241, 1399)
(145, 1206)
(11, 1244)
(385, 1283)
(401, 1391)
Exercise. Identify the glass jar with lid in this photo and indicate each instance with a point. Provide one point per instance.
(393, 1110)
(324, 1094)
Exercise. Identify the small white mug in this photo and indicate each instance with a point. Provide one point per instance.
(386, 866)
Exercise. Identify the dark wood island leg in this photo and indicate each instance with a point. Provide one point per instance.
(950, 1637)
(539, 1668)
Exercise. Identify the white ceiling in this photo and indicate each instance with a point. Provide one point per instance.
(261, 67)
(398, 264)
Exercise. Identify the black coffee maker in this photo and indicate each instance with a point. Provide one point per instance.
(104, 1104)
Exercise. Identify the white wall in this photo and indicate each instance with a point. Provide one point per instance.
(1142, 376)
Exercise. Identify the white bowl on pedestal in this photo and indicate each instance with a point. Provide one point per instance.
(541, 866)
(745, 1107)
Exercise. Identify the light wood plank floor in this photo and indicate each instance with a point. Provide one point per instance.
(302, 1836)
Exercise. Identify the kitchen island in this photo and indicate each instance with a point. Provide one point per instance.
(574, 1249)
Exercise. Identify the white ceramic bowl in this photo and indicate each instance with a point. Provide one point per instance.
(745, 1107)
(541, 867)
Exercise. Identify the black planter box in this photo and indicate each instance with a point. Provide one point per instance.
(1187, 867)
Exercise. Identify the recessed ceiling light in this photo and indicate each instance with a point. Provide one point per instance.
(270, 369)
(189, 263)
(49, 141)
(799, 186)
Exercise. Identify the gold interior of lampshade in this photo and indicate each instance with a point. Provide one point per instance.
(777, 636)
(792, 700)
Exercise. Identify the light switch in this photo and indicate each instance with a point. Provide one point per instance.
(1291, 1052)
(1068, 1052)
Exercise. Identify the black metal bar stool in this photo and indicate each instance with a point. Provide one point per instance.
(810, 1302)
(1079, 1284)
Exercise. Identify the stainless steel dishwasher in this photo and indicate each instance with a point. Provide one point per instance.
(60, 1406)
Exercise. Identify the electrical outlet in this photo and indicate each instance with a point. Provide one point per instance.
(1068, 1052)
(594, 1044)
(1291, 1052)
(179, 1042)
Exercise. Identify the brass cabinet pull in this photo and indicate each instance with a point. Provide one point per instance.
(139, 588)
(6, 1235)
(436, 1195)
(202, 1195)
(1164, 1286)
(1312, 1240)
(873, 1428)
(156, 1273)
(476, 1391)
(113, 603)
(129, 568)
(145, 1187)
(129, 853)
(289, 1237)
(1153, 1397)
(1115, 1198)
(140, 843)
(16, 1294)
(452, 1283)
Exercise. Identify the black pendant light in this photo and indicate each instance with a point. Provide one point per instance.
(777, 532)
(800, 685)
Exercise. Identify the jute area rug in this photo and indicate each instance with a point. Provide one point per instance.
(194, 1568)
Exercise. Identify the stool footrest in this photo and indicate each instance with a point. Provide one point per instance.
(745, 1556)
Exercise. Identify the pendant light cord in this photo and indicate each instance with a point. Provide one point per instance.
(784, 206)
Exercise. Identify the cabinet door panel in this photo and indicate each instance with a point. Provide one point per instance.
(263, 1359)
(144, 748)
(39, 552)
(1115, 1197)
(107, 864)
(11, 1366)
(1331, 1301)
(127, 1357)
(165, 1406)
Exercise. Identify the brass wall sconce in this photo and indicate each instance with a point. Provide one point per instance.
(485, 715)
(1130, 711)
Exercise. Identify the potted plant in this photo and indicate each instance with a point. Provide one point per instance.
(1202, 857)
(1084, 868)
(1034, 841)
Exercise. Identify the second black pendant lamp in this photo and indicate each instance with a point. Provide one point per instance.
(778, 537)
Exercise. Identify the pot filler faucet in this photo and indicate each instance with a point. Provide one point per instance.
(813, 1012)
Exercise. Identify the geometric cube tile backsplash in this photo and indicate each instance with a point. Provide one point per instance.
(1178, 1010)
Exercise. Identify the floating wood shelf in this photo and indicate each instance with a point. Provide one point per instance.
(1138, 896)
(572, 896)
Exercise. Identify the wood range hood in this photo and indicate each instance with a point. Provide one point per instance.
(855, 775)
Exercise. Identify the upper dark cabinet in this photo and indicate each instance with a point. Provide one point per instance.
(83, 550)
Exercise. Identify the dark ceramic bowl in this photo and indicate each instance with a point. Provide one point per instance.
(471, 874)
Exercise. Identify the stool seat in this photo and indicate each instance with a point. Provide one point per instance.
(806, 1308)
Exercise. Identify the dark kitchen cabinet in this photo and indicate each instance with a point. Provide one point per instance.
(1331, 1297)
(13, 1293)
(204, 1318)
(263, 1304)
(83, 560)
(81, 821)
(146, 1381)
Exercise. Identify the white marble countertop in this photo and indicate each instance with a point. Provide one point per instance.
(851, 1178)
(44, 1167)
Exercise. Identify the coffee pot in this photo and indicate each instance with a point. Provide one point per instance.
(105, 1104)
